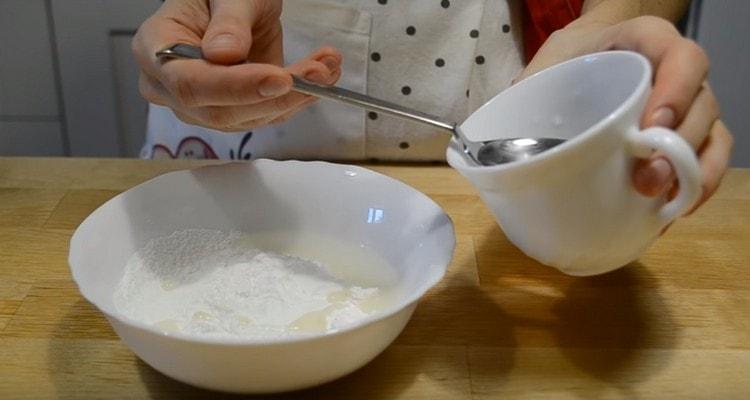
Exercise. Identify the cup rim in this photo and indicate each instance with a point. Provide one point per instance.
(566, 146)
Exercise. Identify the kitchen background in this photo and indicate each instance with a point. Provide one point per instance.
(69, 86)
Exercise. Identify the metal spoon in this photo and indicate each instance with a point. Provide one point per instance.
(492, 152)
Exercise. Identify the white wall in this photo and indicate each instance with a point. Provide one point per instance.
(30, 117)
(723, 28)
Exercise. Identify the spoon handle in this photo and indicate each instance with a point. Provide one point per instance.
(182, 50)
(370, 103)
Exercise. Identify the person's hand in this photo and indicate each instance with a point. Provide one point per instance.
(681, 98)
(241, 84)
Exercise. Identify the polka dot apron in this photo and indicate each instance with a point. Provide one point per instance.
(443, 57)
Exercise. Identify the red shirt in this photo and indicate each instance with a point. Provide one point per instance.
(542, 17)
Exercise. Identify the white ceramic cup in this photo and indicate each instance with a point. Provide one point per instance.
(574, 207)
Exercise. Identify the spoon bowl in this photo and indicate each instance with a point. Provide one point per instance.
(503, 151)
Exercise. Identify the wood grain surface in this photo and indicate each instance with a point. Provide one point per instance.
(675, 324)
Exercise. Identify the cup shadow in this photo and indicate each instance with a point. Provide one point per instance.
(606, 325)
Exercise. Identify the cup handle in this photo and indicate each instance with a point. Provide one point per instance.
(684, 162)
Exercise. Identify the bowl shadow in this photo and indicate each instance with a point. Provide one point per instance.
(606, 328)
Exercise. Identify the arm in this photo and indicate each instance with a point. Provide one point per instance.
(614, 11)
(582, 35)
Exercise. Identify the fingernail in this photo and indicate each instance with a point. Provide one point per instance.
(316, 76)
(224, 40)
(654, 178)
(664, 116)
(272, 87)
(330, 62)
(662, 171)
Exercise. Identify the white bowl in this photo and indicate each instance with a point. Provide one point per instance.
(347, 203)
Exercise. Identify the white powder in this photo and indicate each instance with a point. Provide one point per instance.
(207, 283)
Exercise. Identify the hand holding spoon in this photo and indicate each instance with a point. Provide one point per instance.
(492, 152)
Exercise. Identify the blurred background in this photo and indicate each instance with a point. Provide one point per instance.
(69, 86)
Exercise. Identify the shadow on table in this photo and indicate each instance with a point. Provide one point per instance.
(366, 382)
(605, 325)
(463, 335)
(75, 345)
(607, 322)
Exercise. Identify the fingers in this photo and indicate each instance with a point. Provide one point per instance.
(289, 114)
(242, 30)
(164, 28)
(321, 66)
(152, 90)
(714, 159)
(232, 109)
(680, 100)
(267, 34)
(331, 59)
(229, 34)
(226, 118)
(680, 67)
(272, 120)
(700, 118)
(679, 77)
(654, 176)
(714, 156)
(210, 92)
(328, 57)
(283, 108)
(197, 83)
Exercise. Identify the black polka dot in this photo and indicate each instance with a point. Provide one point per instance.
(479, 60)
(406, 90)
(375, 56)
(403, 145)
(445, 3)
(467, 92)
(474, 33)
(506, 28)
(411, 31)
(372, 115)
(383, 1)
(439, 62)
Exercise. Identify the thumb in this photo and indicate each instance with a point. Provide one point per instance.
(229, 35)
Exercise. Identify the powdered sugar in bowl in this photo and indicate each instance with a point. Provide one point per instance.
(362, 247)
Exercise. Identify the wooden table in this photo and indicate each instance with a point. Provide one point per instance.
(676, 324)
